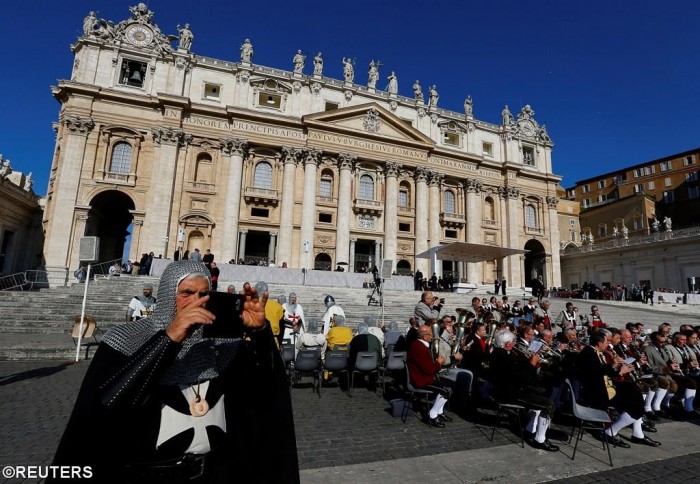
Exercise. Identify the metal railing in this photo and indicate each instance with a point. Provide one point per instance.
(102, 268)
(13, 281)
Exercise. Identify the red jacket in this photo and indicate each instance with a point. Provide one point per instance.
(421, 367)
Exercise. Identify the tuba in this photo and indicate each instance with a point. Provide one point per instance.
(435, 342)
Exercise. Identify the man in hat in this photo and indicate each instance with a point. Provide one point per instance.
(332, 312)
(142, 305)
(293, 316)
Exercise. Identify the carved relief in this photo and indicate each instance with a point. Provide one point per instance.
(290, 155)
(348, 95)
(316, 88)
(421, 174)
(393, 105)
(311, 156)
(472, 186)
(435, 179)
(392, 169)
(170, 135)
(371, 121)
(77, 124)
(243, 77)
(233, 146)
(346, 161)
(325, 240)
(552, 202)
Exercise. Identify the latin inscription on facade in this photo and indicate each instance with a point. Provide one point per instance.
(237, 126)
(461, 165)
(367, 145)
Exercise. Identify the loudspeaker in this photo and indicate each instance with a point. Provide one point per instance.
(385, 272)
(89, 249)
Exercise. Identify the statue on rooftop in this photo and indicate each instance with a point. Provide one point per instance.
(89, 24)
(417, 91)
(348, 69)
(393, 87)
(299, 60)
(469, 106)
(373, 74)
(318, 65)
(507, 117)
(246, 51)
(434, 96)
(186, 36)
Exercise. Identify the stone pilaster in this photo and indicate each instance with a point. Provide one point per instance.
(233, 151)
(514, 208)
(391, 219)
(475, 214)
(554, 238)
(76, 131)
(421, 220)
(271, 247)
(168, 142)
(351, 262)
(312, 158)
(290, 158)
(241, 244)
(434, 183)
(346, 165)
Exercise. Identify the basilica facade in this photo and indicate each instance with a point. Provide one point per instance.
(166, 149)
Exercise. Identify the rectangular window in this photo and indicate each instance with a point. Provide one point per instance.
(586, 202)
(326, 188)
(212, 91)
(585, 188)
(403, 198)
(259, 212)
(451, 139)
(487, 149)
(404, 227)
(601, 184)
(602, 198)
(451, 234)
(691, 176)
(665, 166)
(669, 197)
(528, 156)
(693, 192)
(637, 173)
(602, 231)
(325, 218)
(572, 193)
(648, 170)
(269, 100)
(688, 160)
(639, 188)
(650, 185)
(132, 73)
(667, 182)
(636, 224)
(331, 106)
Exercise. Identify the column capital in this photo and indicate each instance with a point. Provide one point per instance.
(552, 202)
(508, 192)
(311, 156)
(233, 146)
(421, 174)
(435, 179)
(169, 135)
(472, 185)
(78, 124)
(290, 155)
(346, 161)
(242, 231)
(392, 169)
(274, 234)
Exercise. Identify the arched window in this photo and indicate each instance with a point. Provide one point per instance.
(489, 209)
(322, 262)
(121, 158)
(450, 202)
(366, 187)
(404, 195)
(530, 217)
(325, 188)
(263, 175)
(403, 268)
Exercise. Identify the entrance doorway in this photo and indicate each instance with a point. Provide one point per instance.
(403, 268)
(322, 262)
(364, 255)
(109, 219)
(535, 262)
(257, 245)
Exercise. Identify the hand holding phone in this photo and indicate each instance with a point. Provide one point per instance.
(227, 309)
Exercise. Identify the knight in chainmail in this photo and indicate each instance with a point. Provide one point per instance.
(162, 403)
(142, 305)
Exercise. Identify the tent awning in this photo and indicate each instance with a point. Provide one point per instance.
(466, 252)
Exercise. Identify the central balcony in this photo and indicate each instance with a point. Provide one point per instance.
(261, 196)
(455, 220)
(370, 207)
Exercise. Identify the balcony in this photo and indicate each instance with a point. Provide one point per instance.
(370, 207)
(455, 220)
(261, 196)
(406, 210)
(486, 223)
(326, 201)
(200, 187)
(118, 178)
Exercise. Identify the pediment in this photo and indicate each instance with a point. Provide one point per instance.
(368, 120)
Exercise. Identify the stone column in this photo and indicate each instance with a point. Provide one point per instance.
(290, 158)
(351, 262)
(233, 151)
(554, 239)
(514, 224)
(391, 219)
(434, 216)
(271, 247)
(346, 164)
(475, 215)
(421, 220)
(80, 221)
(57, 246)
(241, 242)
(312, 158)
(157, 221)
(377, 254)
(137, 225)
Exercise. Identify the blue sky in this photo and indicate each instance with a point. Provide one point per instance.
(615, 81)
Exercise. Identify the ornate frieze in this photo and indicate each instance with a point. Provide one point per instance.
(233, 146)
(78, 124)
(163, 134)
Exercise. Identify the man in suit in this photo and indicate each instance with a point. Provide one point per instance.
(422, 370)
(596, 392)
(657, 361)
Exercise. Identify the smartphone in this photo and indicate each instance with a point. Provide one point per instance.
(227, 309)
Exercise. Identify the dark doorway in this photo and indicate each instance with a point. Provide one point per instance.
(403, 268)
(322, 262)
(257, 245)
(535, 261)
(109, 219)
(364, 255)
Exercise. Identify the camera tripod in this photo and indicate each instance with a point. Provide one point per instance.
(379, 300)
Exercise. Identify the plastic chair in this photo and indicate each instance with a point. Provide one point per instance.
(505, 409)
(366, 362)
(336, 361)
(308, 362)
(395, 362)
(413, 393)
(597, 420)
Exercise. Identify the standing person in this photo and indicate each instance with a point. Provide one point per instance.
(141, 306)
(208, 259)
(418, 281)
(196, 255)
(503, 286)
(186, 255)
(214, 271)
(496, 286)
(176, 255)
(174, 406)
(293, 315)
(332, 312)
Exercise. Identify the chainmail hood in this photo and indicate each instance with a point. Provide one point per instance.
(199, 358)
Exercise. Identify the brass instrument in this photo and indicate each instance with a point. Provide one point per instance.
(458, 341)
(435, 342)
(492, 334)
(462, 317)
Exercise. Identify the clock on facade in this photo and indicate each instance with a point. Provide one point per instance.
(139, 35)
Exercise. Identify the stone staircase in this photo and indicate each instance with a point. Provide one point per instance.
(37, 325)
